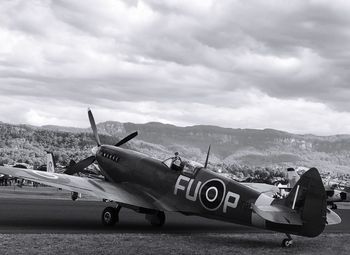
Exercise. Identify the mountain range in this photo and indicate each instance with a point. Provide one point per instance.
(249, 147)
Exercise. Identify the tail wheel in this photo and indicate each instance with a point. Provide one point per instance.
(287, 243)
(74, 195)
(157, 219)
(110, 216)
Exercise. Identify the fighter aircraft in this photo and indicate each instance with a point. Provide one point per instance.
(50, 168)
(72, 168)
(151, 187)
(272, 190)
(50, 164)
(334, 193)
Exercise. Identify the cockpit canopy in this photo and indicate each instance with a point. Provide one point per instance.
(187, 167)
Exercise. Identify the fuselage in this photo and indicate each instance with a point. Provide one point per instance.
(204, 193)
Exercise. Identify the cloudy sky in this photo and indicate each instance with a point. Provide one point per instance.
(240, 64)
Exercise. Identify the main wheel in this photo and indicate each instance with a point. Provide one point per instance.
(74, 195)
(287, 242)
(109, 216)
(157, 219)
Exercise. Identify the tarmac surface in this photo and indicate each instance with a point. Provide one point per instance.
(28, 215)
(45, 221)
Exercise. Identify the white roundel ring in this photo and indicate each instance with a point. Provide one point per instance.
(207, 198)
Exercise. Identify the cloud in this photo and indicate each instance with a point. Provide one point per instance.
(198, 62)
(256, 111)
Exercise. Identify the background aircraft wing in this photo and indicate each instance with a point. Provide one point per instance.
(98, 188)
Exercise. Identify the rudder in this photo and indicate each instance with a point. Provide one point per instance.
(308, 197)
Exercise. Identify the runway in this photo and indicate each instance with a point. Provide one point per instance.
(57, 226)
(19, 215)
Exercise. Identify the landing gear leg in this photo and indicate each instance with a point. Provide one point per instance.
(110, 215)
(157, 219)
(287, 242)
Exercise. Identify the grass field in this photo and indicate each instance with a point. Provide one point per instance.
(170, 244)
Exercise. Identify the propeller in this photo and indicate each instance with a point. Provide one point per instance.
(81, 165)
(126, 139)
(206, 160)
(94, 128)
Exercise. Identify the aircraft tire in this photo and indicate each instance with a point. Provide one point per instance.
(74, 196)
(286, 243)
(109, 216)
(157, 219)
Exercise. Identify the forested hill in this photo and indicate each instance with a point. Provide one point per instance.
(233, 146)
(27, 144)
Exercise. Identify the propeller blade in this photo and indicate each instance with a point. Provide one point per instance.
(126, 139)
(206, 160)
(93, 127)
(80, 166)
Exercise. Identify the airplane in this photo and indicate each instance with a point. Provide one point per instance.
(72, 168)
(152, 187)
(334, 192)
(50, 168)
(50, 164)
(335, 196)
(280, 189)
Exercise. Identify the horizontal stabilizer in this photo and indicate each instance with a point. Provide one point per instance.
(332, 217)
(278, 214)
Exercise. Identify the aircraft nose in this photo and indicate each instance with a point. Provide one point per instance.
(95, 150)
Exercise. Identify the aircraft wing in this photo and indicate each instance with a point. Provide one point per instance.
(118, 192)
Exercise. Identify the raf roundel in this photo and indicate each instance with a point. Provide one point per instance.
(212, 194)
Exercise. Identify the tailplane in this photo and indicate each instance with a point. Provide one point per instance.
(303, 212)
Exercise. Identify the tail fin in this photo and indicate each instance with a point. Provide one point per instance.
(50, 163)
(308, 197)
(292, 177)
